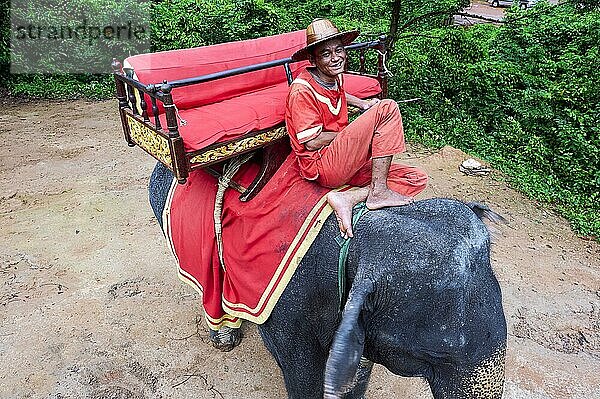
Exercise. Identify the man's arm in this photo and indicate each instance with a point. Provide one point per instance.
(323, 139)
(359, 103)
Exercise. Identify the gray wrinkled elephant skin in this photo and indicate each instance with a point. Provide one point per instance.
(423, 302)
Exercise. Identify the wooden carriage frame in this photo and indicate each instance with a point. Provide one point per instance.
(166, 145)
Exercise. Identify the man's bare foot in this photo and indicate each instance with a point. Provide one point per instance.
(386, 198)
(342, 206)
(343, 203)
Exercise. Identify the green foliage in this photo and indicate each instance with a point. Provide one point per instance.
(41, 50)
(411, 11)
(523, 96)
(191, 23)
(65, 86)
(76, 36)
(4, 41)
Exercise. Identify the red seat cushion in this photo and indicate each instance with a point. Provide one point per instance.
(232, 118)
(186, 63)
(262, 109)
(361, 86)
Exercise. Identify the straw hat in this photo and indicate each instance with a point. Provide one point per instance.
(321, 30)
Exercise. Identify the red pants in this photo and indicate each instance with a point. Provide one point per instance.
(376, 133)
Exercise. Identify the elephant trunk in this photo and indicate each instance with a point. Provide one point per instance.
(348, 343)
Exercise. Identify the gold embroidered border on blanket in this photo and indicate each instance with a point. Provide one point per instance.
(285, 270)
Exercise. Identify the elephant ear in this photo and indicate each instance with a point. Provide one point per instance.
(348, 344)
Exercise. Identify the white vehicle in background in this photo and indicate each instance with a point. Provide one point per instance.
(523, 4)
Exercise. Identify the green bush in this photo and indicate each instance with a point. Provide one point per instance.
(56, 83)
(76, 36)
(523, 95)
(190, 23)
(4, 42)
(96, 87)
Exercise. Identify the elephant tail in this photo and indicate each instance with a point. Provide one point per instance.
(348, 343)
(484, 211)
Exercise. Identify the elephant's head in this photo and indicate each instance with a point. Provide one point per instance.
(427, 304)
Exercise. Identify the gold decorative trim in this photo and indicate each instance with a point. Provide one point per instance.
(352, 110)
(149, 140)
(287, 267)
(239, 146)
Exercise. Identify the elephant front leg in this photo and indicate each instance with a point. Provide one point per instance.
(482, 381)
(300, 358)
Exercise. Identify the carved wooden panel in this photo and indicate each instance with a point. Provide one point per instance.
(239, 146)
(155, 144)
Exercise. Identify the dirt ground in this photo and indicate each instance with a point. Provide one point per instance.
(91, 306)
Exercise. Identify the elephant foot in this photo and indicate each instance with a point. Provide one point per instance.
(226, 338)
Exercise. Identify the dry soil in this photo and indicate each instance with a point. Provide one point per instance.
(91, 306)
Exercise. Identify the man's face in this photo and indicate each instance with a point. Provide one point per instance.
(330, 57)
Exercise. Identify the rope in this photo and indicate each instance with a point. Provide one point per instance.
(229, 170)
(357, 212)
(182, 122)
(385, 69)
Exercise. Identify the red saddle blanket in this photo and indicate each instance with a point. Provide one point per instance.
(263, 239)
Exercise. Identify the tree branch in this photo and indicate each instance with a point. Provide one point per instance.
(407, 35)
(395, 29)
(393, 33)
(427, 15)
(466, 14)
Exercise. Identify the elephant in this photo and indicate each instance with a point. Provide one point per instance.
(423, 301)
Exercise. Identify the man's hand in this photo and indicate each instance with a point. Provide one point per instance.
(366, 104)
(363, 105)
